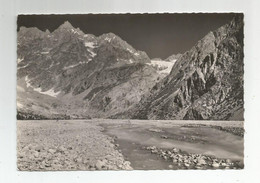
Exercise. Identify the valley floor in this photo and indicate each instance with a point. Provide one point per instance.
(100, 144)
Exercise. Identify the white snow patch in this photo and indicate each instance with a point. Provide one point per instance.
(201, 75)
(74, 31)
(124, 60)
(23, 66)
(108, 39)
(45, 52)
(20, 59)
(71, 66)
(50, 92)
(90, 44)
(131, 51)
(131, 61)
(27, 82)
(92, 53)
(136, 54)
(164, 67)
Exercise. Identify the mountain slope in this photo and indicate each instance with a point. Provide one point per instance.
(69, 74)
(205, 83)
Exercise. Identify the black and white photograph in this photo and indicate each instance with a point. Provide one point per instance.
(130, 91)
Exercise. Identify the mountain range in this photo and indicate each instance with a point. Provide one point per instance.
(70, 75)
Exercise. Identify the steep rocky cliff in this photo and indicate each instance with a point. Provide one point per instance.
(205, 82)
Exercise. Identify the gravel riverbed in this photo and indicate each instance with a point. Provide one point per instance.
(65, 145)
(101, 144)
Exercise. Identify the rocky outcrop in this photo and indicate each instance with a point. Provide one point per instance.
(205, 83)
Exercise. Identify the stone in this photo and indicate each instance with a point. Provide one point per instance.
(174, 161)
(38, 148)
(164, 137)
(36, 154)
(201, 162)
(99, 164)
(52, 151)
(127, 163)
(228, 161)
(175, 150)
(154, 151)
(223, 164)
(79, 160)
(171, 166)
(151, 148)
(62, 149)
(215, 165)
(186, 164)
(198, 167)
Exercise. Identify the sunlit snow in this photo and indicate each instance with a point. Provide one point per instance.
(90, 44)
(20, 59)
(45, 52)
(74, 31)
(50, 92)
(92, 53)
(165, 66)
(131, 51)
(108, 39)
(23, 66)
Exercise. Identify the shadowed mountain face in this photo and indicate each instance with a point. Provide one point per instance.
(70, 74)
(205, 82)
(67, 73)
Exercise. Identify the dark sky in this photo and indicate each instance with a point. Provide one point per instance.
(159, 35)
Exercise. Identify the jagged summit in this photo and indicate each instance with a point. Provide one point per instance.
(110, 37)
(66, 25)
(47, 31)
(69, 73)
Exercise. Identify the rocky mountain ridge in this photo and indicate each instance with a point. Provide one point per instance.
(69, 73)
(205, 82)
